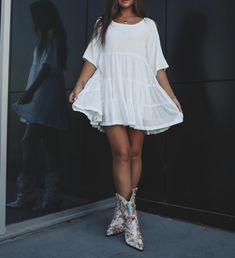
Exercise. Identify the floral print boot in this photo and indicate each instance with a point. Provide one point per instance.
(117, 224)
(133, 236)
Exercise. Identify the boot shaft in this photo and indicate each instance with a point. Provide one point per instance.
(128, 208)
(133, 236)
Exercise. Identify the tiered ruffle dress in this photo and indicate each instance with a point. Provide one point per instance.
(124, 89)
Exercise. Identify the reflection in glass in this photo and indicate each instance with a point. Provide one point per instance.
(43, 107)
(40, 176)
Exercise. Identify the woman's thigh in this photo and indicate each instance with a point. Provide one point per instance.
(118, 138)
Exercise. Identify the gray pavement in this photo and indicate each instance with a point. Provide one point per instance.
(85, 238)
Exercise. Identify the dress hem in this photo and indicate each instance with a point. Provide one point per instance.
(96, 121)
(147, 130)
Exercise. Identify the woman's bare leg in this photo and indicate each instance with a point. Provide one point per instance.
(119, 141)
(126, 145)
(136, 139)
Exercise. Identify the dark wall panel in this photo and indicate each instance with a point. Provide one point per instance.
(200, 153)
(153, 180)
(95, 9)
(196, 169)
(156, 11)
(200, 39)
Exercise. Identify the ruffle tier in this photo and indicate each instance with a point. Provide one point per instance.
(123, 90)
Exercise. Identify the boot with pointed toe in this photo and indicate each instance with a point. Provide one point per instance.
(133, 236)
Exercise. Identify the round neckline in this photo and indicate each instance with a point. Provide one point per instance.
(128, 24)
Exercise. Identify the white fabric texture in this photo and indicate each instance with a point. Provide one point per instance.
(124, 89)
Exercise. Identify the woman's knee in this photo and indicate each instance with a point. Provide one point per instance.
(135, 153)
(122, 154)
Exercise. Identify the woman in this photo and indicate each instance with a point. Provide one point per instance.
(124, 91)
(43, 107)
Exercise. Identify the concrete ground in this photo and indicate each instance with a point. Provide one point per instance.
(85, 238)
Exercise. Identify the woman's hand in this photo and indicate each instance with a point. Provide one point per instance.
(164, 83)
(74, 95)
(177, 104)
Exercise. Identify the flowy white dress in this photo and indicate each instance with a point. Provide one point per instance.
(124, 89)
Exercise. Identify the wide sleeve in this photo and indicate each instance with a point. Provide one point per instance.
(93, 51)
(155, 55)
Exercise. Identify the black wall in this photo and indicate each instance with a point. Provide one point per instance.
(195, 178)
(188, 171)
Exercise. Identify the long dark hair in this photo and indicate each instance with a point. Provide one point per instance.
(113, 10)
(45, 17)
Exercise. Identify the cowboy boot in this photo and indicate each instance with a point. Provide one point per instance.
(52, 196)
(26, 196)
(133, 236)
(117, 223)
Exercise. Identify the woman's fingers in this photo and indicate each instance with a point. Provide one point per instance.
(180, 109)
(72, 97)
(178, 105)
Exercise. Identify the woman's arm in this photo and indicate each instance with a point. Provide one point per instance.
(163, 81)
(87, 71)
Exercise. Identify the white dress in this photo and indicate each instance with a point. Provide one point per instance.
(124, 89)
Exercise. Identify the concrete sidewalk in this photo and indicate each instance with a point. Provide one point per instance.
(85, 238)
